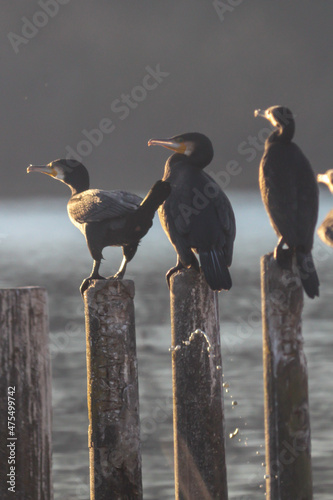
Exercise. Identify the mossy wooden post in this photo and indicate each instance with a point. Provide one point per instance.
(25, 395)
(113, 400)
(287, 421)
(199, 438)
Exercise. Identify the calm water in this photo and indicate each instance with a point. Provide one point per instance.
(39, 246)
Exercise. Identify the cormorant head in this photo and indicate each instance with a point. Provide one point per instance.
(280, 117)
(326, 178)
(192, 144)
(71, 172)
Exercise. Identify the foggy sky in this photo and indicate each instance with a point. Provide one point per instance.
(137, 70)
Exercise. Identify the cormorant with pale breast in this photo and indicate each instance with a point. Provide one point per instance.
(290, 194)
(325, 230)
(106, 218)
(197, 216)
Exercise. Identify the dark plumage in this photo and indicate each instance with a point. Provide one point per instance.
(325, 230)
(290, 195)
(105, 218)
(197, 215)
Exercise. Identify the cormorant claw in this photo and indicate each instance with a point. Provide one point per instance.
(86, 282)
(179, 267)
(117, 276)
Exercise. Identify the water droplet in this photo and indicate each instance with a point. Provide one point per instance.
(267, 476)
(225, 384)
(233, 434)
(219, 367)
(234, 403)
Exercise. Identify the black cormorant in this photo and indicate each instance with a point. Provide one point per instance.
(106, 218)
(197, 215)
(325, 230)
(290, 195)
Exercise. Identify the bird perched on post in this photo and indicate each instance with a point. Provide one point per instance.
(197, 216)
(290, 194)
(325, 230)
(105, 218)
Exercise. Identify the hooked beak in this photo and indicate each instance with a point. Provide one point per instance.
(179, 147)
(261, 112)
(43, 169)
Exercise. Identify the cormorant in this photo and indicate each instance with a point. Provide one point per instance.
(326, 178)
(105, 218)
(325, 230)
(197, 215)
(290, 194)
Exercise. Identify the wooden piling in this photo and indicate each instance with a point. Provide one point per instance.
(113, 400)
(25, 395)
(287, 421)
(199, 437)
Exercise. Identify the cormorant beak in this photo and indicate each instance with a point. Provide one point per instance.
(323, 178)
(179, 147)
(266, 113)
(44, 169)
(260, 112)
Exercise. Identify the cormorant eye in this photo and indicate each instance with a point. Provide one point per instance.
(179, 139)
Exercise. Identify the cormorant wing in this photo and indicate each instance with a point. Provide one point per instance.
(227, 220)
(201, 216)
(96, 205)
(290, 193)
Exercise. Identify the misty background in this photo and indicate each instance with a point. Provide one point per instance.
(70, 65)
(98, 79)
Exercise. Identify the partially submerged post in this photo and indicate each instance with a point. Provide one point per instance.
(113, 400)
(199, 439)
(25, 402)
(287, 421)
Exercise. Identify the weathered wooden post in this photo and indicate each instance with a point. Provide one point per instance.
(287, 421)
(113, 400)
(25, 395)
(199, 438)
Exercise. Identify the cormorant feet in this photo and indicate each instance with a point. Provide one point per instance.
(283, 256)
(86, 282)
(117, 276)
(179, 267)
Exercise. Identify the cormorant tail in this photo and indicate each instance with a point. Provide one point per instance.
(215, 269)
(156, 196)
(308, 274)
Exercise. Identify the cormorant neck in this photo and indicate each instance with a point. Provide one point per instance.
(201, 157)
(175, 163)
(170, 164)
(285, 132)
(77, 180)
(76, 189)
